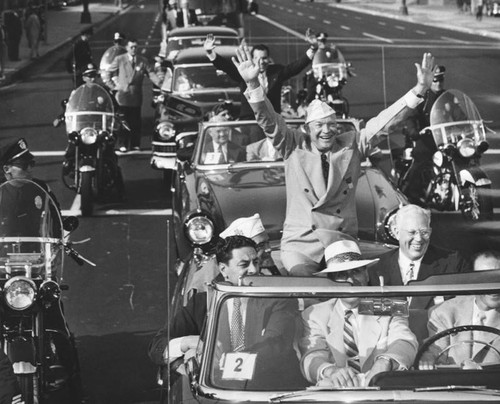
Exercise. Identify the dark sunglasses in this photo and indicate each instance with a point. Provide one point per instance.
(23, 164)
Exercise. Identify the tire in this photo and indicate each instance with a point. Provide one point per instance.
(29, 390)
(476, 203)
(86, 193)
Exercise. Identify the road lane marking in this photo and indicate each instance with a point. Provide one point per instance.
(446, 38)
(326, 22)
(400, 27)
(300, 13)
(421, 32)
(312, 17)
(345, 27)
(378, 37)
(382, 23)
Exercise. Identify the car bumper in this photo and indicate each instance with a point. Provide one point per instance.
(164, 155)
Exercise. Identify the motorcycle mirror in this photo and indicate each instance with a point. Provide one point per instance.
(58, 121)
(64, 103)
(70, 223)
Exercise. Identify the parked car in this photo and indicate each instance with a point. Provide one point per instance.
(208, 195)
(192, 37)
(191, 89)
(269, 371)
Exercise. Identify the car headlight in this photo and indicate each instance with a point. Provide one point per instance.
(88, 135)
(166, 130)
(199, 230)
(19, 293)
(466, 147)
(438, 158)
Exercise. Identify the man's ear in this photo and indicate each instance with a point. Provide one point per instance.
(222, 270)
(6, 169)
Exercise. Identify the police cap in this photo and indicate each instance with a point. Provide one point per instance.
(15, 150)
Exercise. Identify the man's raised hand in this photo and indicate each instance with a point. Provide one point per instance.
(425, 71)
(248, 70)
(209, 44)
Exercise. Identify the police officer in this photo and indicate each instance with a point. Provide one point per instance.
(79, 57)
(107, 58)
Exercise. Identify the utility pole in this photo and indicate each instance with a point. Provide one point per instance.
(403, 9)
(85, 17)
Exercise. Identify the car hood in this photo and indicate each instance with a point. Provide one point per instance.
(228, 193)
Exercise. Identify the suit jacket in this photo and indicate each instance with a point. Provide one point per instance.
(455, 312)
(318, 214)
(259, 151)
(435, 261)
(276, 76)
(269, 332)
(235, 153)
(128, 80)
(323, 341)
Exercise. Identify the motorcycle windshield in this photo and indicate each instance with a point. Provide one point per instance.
(454, 117)
(89, 106)
(110, 55)
(30, 227)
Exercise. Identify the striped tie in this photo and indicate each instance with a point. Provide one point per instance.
(351, 349)
(325, 167)
(410, 273)
(237, 331)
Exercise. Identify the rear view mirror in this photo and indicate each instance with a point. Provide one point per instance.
(383, 307)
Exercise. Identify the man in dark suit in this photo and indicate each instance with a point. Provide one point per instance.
(416, 258)
(79, 57)
(127, 75)
(268, 330)
(271, 76)
(220, 150)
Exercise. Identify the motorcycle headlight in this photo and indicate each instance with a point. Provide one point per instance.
(466, 147)
(19, 293)
(166, 130)
(199, 230)
(88, 135)
(438, 159)
(50, 291)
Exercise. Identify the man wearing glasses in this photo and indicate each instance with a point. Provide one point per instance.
(322, 165)
(416, 258)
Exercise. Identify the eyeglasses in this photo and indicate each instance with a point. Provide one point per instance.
(424, 233)
(23, 164)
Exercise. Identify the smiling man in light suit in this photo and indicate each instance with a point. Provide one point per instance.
(373, 344)
(322, 166)
(127, 73)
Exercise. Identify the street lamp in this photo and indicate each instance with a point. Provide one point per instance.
(85, 17)
(403, 9)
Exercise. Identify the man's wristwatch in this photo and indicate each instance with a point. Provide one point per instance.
(417, 94)
(321, 375)
(392, 363)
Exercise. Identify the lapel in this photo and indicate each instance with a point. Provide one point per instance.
(336, 338)
(129, 70)
(369, 330)
(427, 268)
(486, 337)
(311, 163)
(394, 270)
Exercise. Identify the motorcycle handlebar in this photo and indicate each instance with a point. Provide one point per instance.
(77, 257)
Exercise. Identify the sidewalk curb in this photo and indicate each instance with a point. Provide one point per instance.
(409, 19)
(15, 75)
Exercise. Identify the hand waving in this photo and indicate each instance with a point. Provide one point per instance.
(209, 44)
(311, 38)
(248, 70)
(425, 71)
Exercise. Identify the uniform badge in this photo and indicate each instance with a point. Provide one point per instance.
(38, 202)
(138, 68)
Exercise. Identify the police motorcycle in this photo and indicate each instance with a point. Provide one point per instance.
(33, 331)
(454, 180)
(91, 165)
(326, 80)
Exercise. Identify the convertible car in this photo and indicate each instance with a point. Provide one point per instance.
(456, 364)
(192, 87)
(209, 194)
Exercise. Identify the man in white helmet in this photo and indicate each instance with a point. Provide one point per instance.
(322, 165)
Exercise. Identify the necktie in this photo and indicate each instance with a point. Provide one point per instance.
(222, 158)
(351, 349)
(237, 331)
(409, 273)
(325, 166)
(133, 63)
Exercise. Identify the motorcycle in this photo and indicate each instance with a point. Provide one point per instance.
(33, 331)
(91, 165)
(325, 82)
(453, 180)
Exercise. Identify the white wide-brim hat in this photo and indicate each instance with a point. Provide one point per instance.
(344, 255)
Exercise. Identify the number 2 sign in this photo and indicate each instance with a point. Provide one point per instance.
(239, 366)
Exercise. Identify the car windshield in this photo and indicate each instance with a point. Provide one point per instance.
(231, 142)
(175, 44)
(269, 337)
(196, 78)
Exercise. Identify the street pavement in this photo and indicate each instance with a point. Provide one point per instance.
(64, 25)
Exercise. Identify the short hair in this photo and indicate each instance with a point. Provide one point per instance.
(132, 40)
(260, 47)
(224, 248)
(486, 254)
(409, 209)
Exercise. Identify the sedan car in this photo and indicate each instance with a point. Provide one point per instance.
(192, 37)
(271, 367)
(191, 89)
(209, 194)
